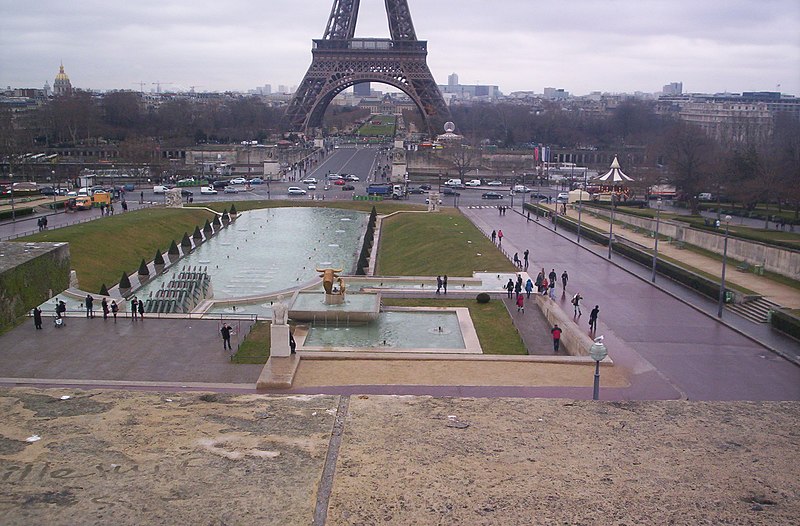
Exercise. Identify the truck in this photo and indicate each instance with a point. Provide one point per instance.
(380, 189)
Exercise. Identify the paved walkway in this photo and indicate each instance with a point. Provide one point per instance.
(772, 290)
(646, 328)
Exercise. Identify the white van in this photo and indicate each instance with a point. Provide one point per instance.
(159, 189)
(453, 182)
(474, 182)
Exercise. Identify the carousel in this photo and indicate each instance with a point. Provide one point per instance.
(613, 185)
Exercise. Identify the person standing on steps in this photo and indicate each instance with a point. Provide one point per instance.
(556, 332)
(564, 279)
(593, 318)
(225, 331)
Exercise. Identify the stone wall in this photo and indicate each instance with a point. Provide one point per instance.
(30, 274)
(574, 341)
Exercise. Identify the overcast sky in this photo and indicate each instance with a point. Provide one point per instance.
(579, 45)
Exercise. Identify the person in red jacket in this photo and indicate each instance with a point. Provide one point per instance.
(556, 332)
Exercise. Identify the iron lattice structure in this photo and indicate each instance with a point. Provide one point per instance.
(341, 61)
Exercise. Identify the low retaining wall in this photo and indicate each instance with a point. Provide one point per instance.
(573, 340)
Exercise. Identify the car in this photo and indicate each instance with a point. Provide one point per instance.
(208, 190)
(494, 183)
(563, 197)
(190, 180)
(47, 190)
(449, 191)
(309, 180)
(239, 180)
(425, 186)
(334, 177)
(351, 178)
(491, 195)
(521, 189)
(295, 190)
(416, 191)
(231, 190)
(339, 182)
(186, 193)
(474, 182)
(348, 187)
(312, 187)
(219, 184)
(129, 187)
(534, 195)
(256, 180)
(157, 189)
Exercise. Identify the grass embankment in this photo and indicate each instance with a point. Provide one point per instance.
(434, 244)
(256, 345)
(495, 329)
(103, 249)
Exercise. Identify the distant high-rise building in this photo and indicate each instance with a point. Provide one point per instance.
(267, 89)
(62, 85)
(282, 89)
(362, 90)
(556, 94)
(672, 89)
(452, 79)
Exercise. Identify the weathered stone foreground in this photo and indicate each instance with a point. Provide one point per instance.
(123, 457)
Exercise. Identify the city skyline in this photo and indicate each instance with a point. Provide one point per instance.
(638, 46)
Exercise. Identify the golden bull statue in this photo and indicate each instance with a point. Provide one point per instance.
(328, 275)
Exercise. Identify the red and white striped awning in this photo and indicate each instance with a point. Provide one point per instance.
(615, 175)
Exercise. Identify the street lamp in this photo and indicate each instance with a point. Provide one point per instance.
(598, 352)
(53, 180)
(611, 226)
(13, 212)
(655, 248)
(724, 264)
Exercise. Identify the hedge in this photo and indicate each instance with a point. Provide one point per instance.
(786, 323)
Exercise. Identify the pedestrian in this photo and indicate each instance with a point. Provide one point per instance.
(552, 276)
(225, 331)
(444, 283)
(510, 287)
(102, 209)
(552, 290)
(576, 303)
(104, 304)
(518, 287)
(517, 262)
(141, 197)
(438, 284)
(494, 236)
(520, 303)
(500, 237)
(545, 286)
(134, 307)
(292, 343)
(499, 210)
(529, 287)
(141, 309)
(44, 222)
(39, 224)
(89, 306)
(564, 279)
(525, 257)
(124, 205)
(114, 309)
(593, 318)
(556, 332)
(37, 317)
(538, 283)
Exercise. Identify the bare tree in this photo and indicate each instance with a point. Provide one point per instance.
(690, 158)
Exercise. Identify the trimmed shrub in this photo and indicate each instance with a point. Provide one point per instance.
(104, 290)
(197, 235)
(186, 242)
(786, 322)
(233, 209)
(207, 230)
(124, 282)
(159, 259)
(143, 270)
(483, 297)
(173, 249)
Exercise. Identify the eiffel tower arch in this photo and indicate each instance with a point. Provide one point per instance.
(341, 61)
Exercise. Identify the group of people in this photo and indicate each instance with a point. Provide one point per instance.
(497, 237)
(106, 209)
(502, 210)
(42, 223)
(522, 265)
(441, 284)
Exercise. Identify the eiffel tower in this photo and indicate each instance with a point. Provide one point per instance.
(340, 61)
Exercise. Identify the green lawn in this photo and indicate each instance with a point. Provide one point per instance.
(385, 128)
(382, 207)
(256, 345)
(495, 329)
(430, 244)
(101, 250)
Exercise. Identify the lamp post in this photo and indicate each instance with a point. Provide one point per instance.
(655, 247)
(598, 352)
(11, 187)
(724, 264)
(55, 192)
(611, 226)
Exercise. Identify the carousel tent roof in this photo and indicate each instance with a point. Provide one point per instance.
(615, 175)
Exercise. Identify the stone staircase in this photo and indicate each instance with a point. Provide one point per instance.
(756, 310)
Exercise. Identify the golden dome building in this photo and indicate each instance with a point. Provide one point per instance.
(62, 85)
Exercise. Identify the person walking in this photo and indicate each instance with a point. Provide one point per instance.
(520, 303)
(545, 287)
(104, 305)
(510, 287)
(564, 279)
(225, 331)
(141, 197)
(37, 318)
(525, 258)
(44, 222)
(444, 283)
(529, 288)
(134, 308)
(494, 236)
(552, 290)
(552, 276)
(593, 318)
(576, 304)
(500, 237)
(518, 286)
(89, 306)
(438, 284)
(556, 332)
(114, 309)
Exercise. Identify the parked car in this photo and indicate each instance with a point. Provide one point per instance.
(425, 186)
(157, 189)
(47, 190)
(219, 184)
(491, 195)
(239, 180)
(474, 182)
(534, 195)
(295, 190)
(521, 189)
(494, 183)
(208, 190)
(416, 191)
(348, 187)
(351, 178)
(256, 180)
(309, 180)
(339, 182)
(130, 187)
(186, 193)
(188, 181)
(231, 190)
